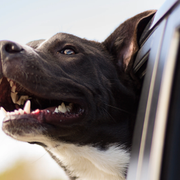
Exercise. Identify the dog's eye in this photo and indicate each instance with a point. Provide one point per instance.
(67, 52)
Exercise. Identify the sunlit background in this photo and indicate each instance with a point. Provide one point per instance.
(27, 20)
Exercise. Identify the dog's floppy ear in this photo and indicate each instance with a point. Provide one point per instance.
(34, 44)
(122, 44)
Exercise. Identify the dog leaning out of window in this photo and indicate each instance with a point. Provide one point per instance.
(76, 98)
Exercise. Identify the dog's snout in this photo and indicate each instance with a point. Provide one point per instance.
(9, 50)
(11, 47)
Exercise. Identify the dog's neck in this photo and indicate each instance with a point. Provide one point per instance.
(87, 162)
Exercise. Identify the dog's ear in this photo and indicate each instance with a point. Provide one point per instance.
(34, 44)
(122, 44)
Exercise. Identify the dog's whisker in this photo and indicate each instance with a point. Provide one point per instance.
(40, 158)
(117, 108)
(109, 115)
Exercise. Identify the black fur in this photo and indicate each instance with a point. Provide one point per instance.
(98, 77)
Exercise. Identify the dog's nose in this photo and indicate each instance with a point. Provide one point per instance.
(9, 47)
(8, 50)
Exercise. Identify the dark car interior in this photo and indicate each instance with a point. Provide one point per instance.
(156, 142)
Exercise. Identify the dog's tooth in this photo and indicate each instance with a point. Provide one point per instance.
(59, 108)
(62, 108)
(21, 111)
(27, 107)
(9, 113)
(13, 113)
(16, 112)
(68, 108)
(14, 97)
(56, 110)
(3, 111)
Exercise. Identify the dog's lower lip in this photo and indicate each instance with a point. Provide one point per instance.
(48, 115)
(52, 117)
(64, 118)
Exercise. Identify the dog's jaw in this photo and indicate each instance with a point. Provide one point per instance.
(84, 162)
(87, 162)
(81, 161)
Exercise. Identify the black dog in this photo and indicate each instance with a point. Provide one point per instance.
(80, 98)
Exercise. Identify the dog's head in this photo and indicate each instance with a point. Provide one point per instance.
(81, 91)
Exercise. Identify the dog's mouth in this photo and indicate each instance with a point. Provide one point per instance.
(19, 103)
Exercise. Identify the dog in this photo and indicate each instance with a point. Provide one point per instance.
(76, 98)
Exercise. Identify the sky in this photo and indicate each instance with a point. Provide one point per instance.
(26, 20)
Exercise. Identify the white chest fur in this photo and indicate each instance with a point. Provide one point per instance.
(90, 163)
(86, 162)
